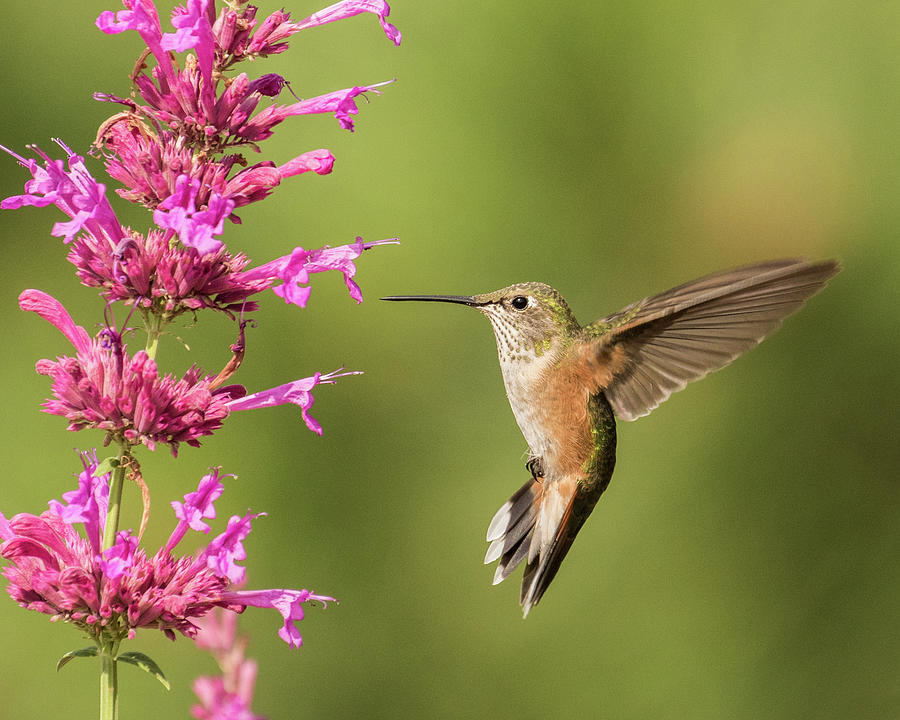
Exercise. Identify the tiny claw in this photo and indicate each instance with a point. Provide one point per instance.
(536, 467)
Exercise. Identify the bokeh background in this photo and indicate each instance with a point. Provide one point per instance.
(744, 562)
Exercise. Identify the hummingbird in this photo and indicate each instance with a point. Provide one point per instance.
(567, 385)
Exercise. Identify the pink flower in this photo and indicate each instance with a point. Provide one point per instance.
(196, 506)
(88, 503)
(270, 37)
(186, 99)
(341, 102)
(217, 702)
(151, 271)
(222, 554)
(293, 270)
(195, 227)
(54, 570)
(74, 191)
(287, 602)
(296, 393)
(256, 182)
(105, 388)
(349, 8)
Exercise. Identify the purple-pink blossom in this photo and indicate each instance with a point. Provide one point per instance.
(296, 393)
(152, 272)
(195, 227)
(293, 270)
(340, 102)
(104, 387)
(188, 96)
(72, 190)
(55, 570)
(87, 504)
(349, 8)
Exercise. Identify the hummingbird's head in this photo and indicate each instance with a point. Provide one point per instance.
(527, 317)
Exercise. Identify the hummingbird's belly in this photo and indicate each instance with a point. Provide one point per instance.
(553, 417)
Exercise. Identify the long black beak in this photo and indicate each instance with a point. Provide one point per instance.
(460, 299)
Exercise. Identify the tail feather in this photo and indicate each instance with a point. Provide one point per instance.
(538, 524)
(512, 537)
(513, 509)
(538, 575)
(512, 559)
(512, 523)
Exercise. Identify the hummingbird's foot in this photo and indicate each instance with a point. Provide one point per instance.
(536, 468)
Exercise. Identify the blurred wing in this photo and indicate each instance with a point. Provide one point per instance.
(656, 346)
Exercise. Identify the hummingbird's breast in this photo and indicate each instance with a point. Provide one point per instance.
(550, 397)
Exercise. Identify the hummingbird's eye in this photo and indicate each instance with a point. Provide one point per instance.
(520, 302)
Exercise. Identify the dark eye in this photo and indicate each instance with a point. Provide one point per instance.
(520, 302)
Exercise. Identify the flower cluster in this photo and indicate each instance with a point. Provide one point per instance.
(177, 153)
(177, 147)
(104, 387)
(59, 571)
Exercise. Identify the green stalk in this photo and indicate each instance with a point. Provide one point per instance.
(109, 684)
(115, 502)
(154, 324)
(109, 646)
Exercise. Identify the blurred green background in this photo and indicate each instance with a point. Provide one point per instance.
(744, 562)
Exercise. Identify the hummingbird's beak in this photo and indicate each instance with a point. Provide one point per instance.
(460, 299)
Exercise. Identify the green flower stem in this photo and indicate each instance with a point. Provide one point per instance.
(108, 645)
(115, 501)
(154, 324)
(109, 683)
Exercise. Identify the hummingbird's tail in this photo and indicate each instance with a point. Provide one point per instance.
(512, 528)
(538, 524)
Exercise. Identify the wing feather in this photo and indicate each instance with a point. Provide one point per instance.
(655, 347)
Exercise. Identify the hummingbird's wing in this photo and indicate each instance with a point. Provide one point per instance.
(656, 346)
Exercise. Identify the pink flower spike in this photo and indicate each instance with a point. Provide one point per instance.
(289, 603)
(195, 228)
(222, 554)
(349, 8)
(53, 312)
(296, 392)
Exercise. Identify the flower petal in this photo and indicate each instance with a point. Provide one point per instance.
(53, 312)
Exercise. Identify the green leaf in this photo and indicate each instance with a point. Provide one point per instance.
(72, 654)
(147, 664)
(106, 465)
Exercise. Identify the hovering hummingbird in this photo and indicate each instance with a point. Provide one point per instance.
(567, 385)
